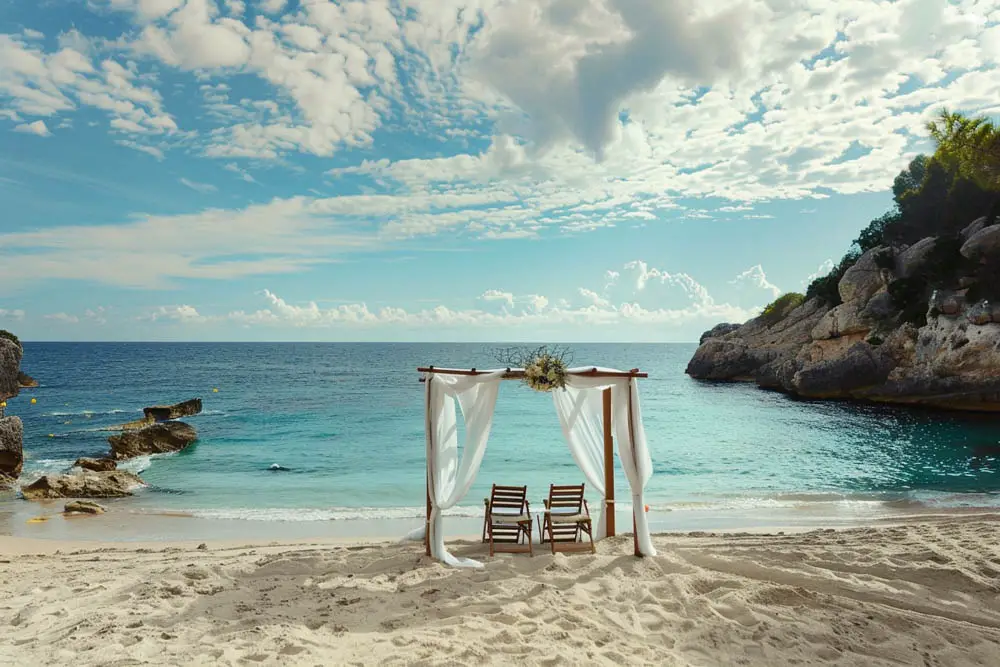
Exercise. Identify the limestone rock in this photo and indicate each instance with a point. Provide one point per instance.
(155, 439)
(97, 465)
(973, 228)
(759, 342)
(159, 413)
(913, 260)
(83, 507)
(861, 366)
(983, 244)
(980, 313)
(844, 320)
(10, 365)
(86, 484)
(880, 308)
(25, 381)
(718, 331)
(864, 279)
(11, 449)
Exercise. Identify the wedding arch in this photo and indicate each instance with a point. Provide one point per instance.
(595, 406)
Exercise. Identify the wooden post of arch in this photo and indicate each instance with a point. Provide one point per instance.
(609, 466)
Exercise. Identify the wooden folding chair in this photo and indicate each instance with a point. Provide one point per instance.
(566, 520)
(507, 520)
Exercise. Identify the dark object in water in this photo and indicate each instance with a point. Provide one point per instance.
(276, 467)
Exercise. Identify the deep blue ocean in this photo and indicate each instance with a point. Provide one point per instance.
(346, 420)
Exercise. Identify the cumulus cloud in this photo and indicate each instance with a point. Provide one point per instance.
(184, 314)
(570, 65)
(755, 278)
(824, 269)
(536, 312)
(498, 295)
(37, 127)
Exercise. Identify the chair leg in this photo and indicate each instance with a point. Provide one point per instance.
(552, 537)
(490, 531)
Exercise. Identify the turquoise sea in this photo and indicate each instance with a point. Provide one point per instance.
(346, 420)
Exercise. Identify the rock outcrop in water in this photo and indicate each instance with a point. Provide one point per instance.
(155, 439)
(159, 413)
(25, 381)
(86, 484)
(886, 341)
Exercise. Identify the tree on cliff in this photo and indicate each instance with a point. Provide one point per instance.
(934, 196)
(969, 146)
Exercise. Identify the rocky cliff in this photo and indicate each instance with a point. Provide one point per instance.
(11, 429)
(916, 325)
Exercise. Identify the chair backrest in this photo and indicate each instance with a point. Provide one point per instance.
(508, 497)
(567, 499)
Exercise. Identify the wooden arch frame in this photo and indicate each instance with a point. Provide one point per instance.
(609, 447)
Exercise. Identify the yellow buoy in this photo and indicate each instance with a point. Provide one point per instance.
(51, 435)
(34, 400)
(38, 519)
(3, 404)
(215, 391)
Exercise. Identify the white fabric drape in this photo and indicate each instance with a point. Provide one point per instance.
(448, 478)
(634, 454)
(580, 408)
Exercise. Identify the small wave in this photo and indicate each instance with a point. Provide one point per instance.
(89, 413)
(35, 468)
(328, 514)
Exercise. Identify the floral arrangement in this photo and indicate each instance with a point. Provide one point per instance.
(545, 373)
(544, 367)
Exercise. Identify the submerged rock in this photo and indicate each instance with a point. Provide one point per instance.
(154, 439)
(159, 413)
(83, 507)
(97, 465)
(86, 484)
(25, 381)
(11, 450)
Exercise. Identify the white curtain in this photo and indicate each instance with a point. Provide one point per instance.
(634, 454)
(448, 478)
(581, 414)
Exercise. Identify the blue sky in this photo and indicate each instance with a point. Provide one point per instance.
(545, 170)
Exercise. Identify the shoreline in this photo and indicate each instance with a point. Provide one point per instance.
(921, 591)
(44, 522)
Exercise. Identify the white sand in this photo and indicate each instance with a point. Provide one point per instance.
(925, 593)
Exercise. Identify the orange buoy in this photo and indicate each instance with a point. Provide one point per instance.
(647, 508)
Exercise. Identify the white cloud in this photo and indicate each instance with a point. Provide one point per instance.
(204, 188)
(15, 315)
(824, 269)
(498, 295)
(64, 318)
(596, 311)
(142, 148)
(754, 277)
(184, 314)
(37, 127)
(243, 173)
(273, 6)
(36, 83)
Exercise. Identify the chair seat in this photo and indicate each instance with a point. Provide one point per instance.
(556, 517)
(509, 518)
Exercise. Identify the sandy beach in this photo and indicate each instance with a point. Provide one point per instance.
(925, 592)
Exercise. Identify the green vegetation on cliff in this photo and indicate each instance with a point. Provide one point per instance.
(936, 196)
(9, 336)
(784, 304)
